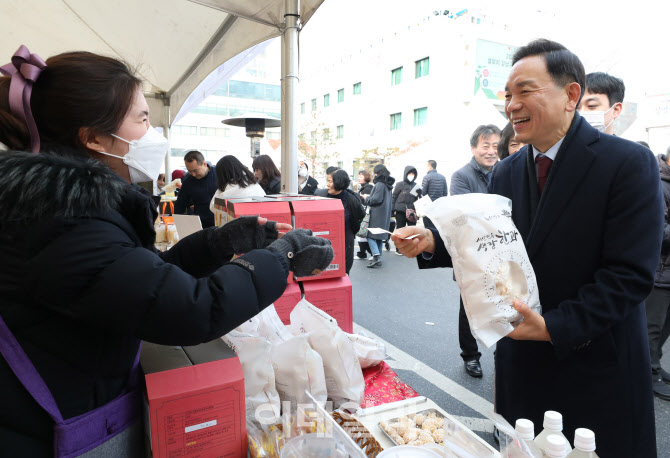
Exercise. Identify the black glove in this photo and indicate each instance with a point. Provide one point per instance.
(242, 235)
(307, 254)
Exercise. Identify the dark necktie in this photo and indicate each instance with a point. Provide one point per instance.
(543, 166)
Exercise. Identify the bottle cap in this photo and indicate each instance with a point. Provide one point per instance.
(556, 446)
(553, 421)
(585, 440)
(526, 429)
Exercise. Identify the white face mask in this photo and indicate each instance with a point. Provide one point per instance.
(302, 172)
(597, 119)
(410, 177)
(145, 156)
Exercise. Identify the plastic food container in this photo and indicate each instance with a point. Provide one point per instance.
(313, 446)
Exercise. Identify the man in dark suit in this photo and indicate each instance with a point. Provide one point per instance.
(590, 210)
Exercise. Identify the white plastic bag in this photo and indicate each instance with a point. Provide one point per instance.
(490, 262)
(297, 367)
(369, 351)
(254, 352)
(344, 378)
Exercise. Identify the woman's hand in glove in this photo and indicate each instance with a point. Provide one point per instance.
(244, 234)
(306, 254)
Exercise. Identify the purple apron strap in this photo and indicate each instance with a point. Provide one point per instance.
(26, 373)
(80, 434)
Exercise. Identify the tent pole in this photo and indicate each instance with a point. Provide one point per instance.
(289, 176)
(166, 133)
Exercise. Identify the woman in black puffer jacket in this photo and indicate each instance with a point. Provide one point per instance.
(405, 194)
(81, 282)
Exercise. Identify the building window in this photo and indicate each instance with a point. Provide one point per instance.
(326, 134)
(396, 76)
(357, 88)
(302, 108)
(340, 131)
(421, 68)
(326, 100)
(420, 116)
(301, 137)
(340, 96)
(213, 132)
(313, 104)
(184, 130)
(313, 136)
(396, 119)
(340, 164)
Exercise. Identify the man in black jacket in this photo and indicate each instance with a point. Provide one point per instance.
(434, 185)
(473, 177)
(197, 191)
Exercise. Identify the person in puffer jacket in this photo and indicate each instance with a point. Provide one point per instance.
(81, 282)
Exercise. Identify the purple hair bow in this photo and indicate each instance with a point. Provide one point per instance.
(24, 70)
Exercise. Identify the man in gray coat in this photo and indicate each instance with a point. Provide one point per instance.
(434, 185)
(474, 177)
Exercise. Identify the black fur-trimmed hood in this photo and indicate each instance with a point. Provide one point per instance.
(38, 186)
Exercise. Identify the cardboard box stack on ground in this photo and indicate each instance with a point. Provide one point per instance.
(194, 405)
(325, 217)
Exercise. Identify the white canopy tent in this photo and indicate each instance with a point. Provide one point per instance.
(174, 44)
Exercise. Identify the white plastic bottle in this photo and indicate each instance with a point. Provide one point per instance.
(553, 424)
(585, 444)
(556, 446)
(526, 430)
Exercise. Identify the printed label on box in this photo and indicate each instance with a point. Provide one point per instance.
(200, 428)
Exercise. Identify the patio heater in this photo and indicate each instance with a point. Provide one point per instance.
(255, 125)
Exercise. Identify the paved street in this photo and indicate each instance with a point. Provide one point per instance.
(395, 303)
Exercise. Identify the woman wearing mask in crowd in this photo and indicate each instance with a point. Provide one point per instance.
(306, 184)
(405, 194)
(507, 144)
(338, 188)
(380, 203)
(160, 182)
(82, 282)
(364, 190)
(267, 174)
(234, 179)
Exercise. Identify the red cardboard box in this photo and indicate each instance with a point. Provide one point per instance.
(285, 304)
(267, 208)
(333, 296)
(196, 411)
(325, 217)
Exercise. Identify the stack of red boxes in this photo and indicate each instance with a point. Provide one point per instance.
(331, 290)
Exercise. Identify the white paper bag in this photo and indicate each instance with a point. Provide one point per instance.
(259, 376)
(422, 204)
(369, 351)
(490, 262)
(344, 378)
(297, 367)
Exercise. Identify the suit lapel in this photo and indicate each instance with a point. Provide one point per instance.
(573, 161)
